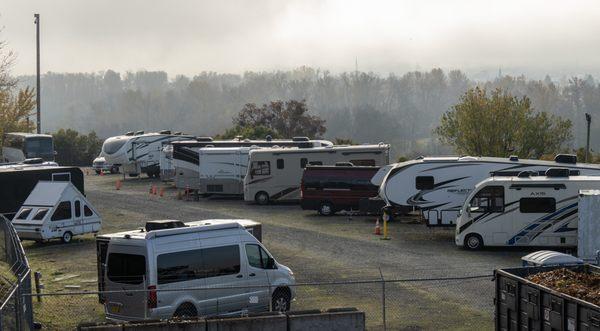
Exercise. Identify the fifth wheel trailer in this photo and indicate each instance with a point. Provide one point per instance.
(438, 186)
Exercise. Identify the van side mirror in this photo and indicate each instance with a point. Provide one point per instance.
(474, 209)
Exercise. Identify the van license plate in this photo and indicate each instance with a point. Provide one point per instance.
(114, 308)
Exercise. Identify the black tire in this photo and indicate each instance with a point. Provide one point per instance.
(262, 198)
(67, 237)
(185, 310)
(281, 300)
(473, 242)
(326, 209)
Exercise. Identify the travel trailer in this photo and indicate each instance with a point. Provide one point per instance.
(17, 183)
(136, 153)
(56, 210)
(438, 186)
(160, 274)
(275, 174)
(187, 162)
(19, 146)
(222, 170)
(523, 210)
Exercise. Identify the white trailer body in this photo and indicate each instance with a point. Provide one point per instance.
(588, 234)
(274, 174)
(222, 170)
(136, 154)
(167, 168)
(523, 211)
(438, 186)
(56, 210)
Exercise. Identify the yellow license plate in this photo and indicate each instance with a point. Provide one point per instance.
(115, 309)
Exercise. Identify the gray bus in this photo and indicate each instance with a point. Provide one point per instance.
(19, 146)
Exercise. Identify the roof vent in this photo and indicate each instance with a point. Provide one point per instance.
(139, 133)
(566, 158)
(300, 139)
(163, 224)
(557, 172)
(165, 132)
(513, 158)
(524, 174)
(204, 138)
(130, 133)
(344, 164)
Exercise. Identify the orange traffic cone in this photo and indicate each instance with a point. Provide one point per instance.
(118, 184)
(162, 191)
(377, 228)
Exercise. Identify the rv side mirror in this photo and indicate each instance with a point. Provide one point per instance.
(270, 263)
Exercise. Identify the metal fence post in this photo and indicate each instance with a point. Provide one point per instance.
(383, 298)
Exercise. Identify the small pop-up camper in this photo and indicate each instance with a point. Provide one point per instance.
(56, 210)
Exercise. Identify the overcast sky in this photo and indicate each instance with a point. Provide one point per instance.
(188, 37)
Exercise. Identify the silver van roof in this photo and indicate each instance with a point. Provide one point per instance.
(191, 227)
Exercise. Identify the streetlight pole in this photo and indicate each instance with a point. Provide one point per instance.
(37, 44)
(588, 119)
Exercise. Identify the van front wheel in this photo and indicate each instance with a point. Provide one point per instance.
(67, 237)
(261, 198)
(281, 300)
(473, 242)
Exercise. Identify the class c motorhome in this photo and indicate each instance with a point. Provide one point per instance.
(139, 152)
(275, 174)
(205, 268)
(438, 186)
(56, 210)
(523, 210)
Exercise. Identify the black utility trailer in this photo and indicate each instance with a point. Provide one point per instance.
(524, 305)
(17, 183)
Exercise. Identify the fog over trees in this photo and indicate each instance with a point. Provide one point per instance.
(365, 107)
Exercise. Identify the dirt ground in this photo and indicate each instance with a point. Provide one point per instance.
(316, 248)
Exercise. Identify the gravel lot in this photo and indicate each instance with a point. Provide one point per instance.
(317, 249)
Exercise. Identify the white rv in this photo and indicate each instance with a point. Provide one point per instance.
(137, 152)
(222, 169)
(276, 173)
(204, 268)
(438, 186)
(187, 162)
(56, 210)
(526, 210)
(167, 167)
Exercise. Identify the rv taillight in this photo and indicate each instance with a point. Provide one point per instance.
(152, 299)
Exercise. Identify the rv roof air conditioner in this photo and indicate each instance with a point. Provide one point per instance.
(163, 224)
(165, 132)
(557, 172)
(513, 158)
(566, 158)
(129, 133)
(204, 138)
(300, 139)
(139, 133)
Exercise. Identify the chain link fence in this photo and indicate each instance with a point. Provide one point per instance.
(389, 304)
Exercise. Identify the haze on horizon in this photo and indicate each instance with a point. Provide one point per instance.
(188, 37)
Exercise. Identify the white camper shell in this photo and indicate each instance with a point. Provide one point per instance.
(222, 169)
(205, 268)
(56, 210)
(438, 186)
(274, 174)
(523, 211)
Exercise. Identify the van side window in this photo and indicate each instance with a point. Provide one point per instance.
(490, 199)
(424, 183)
(362, 163)
(221, 261)
(24, 214)
(87, 212)
(126, 268)
(537, 205)
(257, 257)
(179, 266)
(39, 215)
(62, 212)
(261, 168)
(280, 163)
(77, 208)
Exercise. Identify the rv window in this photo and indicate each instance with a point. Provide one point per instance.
(24, 214)
(424, 183)
(221, 261)
(490, 199)
(39, 215)
(179, 266)
(280, 163)
(261, 168)
(62, 212)
(303, 162)
(87, 212)
(126, 268)
(360, 163)
(257, 256)
(537, 205)
(77, 208)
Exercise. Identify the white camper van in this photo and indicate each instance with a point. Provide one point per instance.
(222, 169)
(526, 210)
(276, 173)
(137, 152)
(438, 186)
(192, 269)
(56, 210)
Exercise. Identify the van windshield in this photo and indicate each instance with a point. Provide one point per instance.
(126, 268)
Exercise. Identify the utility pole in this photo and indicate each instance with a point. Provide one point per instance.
(588, 119)
(37, 44)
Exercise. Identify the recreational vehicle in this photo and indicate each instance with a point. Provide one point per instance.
(222, 170)
(523, 210)
(275, 174)
(19, 146)
(56, 210)
(438, 186)
(17, 183)
(167, 167)
(138, 152)
(100, 165)
(160, 274)
(186, 154)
